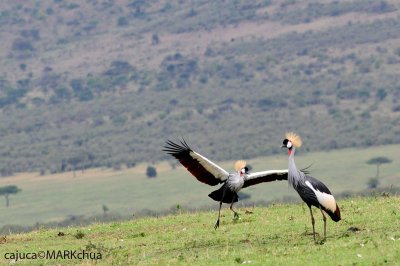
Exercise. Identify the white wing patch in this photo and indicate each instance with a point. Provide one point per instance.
(266, 173)
(211, 167)
(326, 200)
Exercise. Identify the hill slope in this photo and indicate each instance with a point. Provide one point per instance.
(104, 83)
(280, 235)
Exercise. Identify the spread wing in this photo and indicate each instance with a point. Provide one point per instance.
(202, 168)
(265, 176)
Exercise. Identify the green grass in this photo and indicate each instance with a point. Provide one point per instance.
(127, 192)
(278, 235)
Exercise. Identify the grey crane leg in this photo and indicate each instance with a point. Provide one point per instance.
(313, 222)
(219, 214)
(324, 217)
(236, 215)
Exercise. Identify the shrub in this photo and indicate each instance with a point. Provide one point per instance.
(381, 94)
(155, 39)
(151, 171)
(373, 183)
(122, 21)
(22, 45)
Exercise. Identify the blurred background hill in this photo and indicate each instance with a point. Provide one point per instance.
(103, 83)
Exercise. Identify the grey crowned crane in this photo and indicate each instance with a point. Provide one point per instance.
(312, 191)
(212, 174)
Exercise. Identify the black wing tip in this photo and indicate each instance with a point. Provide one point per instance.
(173, 148)
(184, 144)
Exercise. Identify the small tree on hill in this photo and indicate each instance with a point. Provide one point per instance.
(105, 209)
(151, 171)
(7, 190)
(378, 161)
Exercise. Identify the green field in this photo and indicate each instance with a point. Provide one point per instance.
(127, 192)
(278, 235)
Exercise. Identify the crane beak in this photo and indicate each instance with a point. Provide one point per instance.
(283, 146)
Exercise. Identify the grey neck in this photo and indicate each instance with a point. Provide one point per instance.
(294, 176)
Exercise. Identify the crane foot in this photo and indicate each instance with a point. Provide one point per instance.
(216, 225)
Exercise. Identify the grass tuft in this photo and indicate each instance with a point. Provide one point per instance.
(79, 234)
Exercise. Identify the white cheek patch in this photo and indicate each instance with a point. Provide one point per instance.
(326, 200)
(289, 145)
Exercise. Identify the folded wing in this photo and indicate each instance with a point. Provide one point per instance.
(265, 176)
(199, 166)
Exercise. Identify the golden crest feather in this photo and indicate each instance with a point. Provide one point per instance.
(239, 165)
(294, 139)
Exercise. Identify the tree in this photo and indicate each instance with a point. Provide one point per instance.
(75, 161)
(378, 161)
(7, 190)
(151, 171)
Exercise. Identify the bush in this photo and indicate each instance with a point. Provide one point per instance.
(151, 172)
(122, 21)
(381, 94)
(119, 67)
(32, 34)
(22, 45)
(6, 171)
(85, 95)
(155, 39)
(119, 120)
(62, 93)
(373, 183)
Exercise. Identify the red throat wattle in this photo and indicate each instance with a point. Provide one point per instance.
(289, 151)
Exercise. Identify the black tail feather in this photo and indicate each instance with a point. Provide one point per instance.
(335, 216)
(229, 196)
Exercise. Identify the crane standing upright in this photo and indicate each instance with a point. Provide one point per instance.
(312, 191)
(212, 174)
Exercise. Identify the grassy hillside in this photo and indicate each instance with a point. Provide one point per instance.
(59, 197)
(104, 83)
(278, 235)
